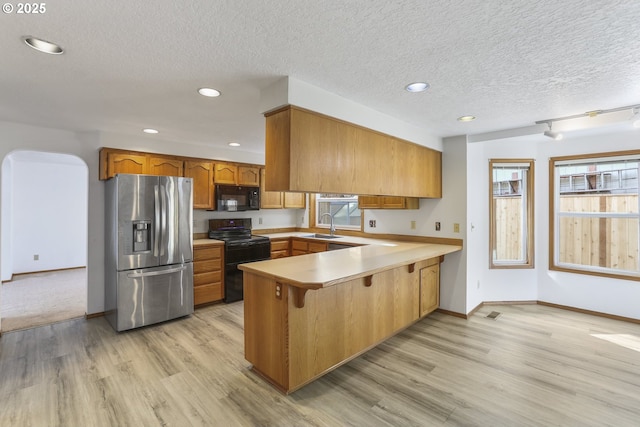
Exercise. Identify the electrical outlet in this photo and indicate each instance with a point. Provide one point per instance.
(456, 227)
(259, 220)
(413, 225)
(372, 223)
(438, 226)
(195, 223)
(478, 285)
(36, 257)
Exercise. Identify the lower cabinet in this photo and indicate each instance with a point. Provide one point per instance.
(208, 273)
(429, 289)
(302, 247)
(279, 248)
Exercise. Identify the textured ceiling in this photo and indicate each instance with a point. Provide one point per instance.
(134, 64)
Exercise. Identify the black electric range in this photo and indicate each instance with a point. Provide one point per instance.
(240, 246)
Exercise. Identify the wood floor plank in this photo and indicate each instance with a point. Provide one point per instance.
(532, 365)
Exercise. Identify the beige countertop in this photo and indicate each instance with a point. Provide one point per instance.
(200, 242)
(317, 270)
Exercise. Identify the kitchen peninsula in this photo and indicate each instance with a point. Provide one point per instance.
(306, 315)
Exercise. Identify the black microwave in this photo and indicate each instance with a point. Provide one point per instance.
(232, 198)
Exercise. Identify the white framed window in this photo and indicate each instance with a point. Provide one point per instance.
(511, 213)
(343, 208)
(596, 214)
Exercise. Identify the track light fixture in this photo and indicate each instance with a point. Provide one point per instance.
(551, 134)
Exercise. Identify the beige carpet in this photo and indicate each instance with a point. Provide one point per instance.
(37, 299)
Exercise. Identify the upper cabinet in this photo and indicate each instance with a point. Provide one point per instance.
(249, 176)
(230, 174)
(112, 163)
(226, 174)
(278, 199)
(388, 202)
(166, 166)
(310, 152)
(202, 174)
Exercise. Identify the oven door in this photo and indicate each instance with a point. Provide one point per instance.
(235, 255)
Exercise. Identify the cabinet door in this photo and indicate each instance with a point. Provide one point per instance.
(368, 202)
(317, 247)
(248, 176)
(429, 289)
(299, 247)
(165, 166)
(202, 175)
(127, 163)
(269, 199)
(226, 174)
(295, 200)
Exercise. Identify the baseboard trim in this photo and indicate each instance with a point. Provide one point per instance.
(44, 271)
(590, 312)
(452, 313)
(525, 302)
(93, 315)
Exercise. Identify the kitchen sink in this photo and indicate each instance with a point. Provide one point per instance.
(322, 236)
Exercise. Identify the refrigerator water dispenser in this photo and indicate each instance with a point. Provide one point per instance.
(141, 236)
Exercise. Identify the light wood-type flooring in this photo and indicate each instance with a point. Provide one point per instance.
(531, 366)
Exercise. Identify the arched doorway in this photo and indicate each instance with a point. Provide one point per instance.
(44, 239)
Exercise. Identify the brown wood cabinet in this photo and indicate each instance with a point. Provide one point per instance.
(279, 248)
(295, 200)
(302, 246)
(208, 273)
(333, 156)
(125, 163)
(429, 289)
(279, 199)
(202, 174)
(388, 202)
(202, 171)
(226, 174)
(249, 176)
(166, 166)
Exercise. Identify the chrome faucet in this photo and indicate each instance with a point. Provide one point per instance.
(332, 228)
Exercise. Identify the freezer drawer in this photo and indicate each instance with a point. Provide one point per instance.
(152, 295)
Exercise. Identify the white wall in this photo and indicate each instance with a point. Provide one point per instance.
(612, 296)
(49, 212)
(6, 218)
(450, 209)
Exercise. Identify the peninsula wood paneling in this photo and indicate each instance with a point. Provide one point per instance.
(310, 152)
(291, 346)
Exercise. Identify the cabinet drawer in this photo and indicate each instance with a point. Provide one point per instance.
(317, 247)
(299, 245)
(207, 278)
(207, 293)
(279, 254)
(280, 245)
(208, 252)
(297, 252)
(207, 266)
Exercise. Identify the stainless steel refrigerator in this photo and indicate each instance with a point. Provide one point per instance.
(149, 253)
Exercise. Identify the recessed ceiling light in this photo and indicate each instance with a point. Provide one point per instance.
(234, 144)
(43, 45)
(149, 130)
(466, 118)
(206, 91)
(417, 87)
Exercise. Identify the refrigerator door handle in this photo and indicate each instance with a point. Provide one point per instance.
(165, 232)
(156, 234)
(157, 273)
